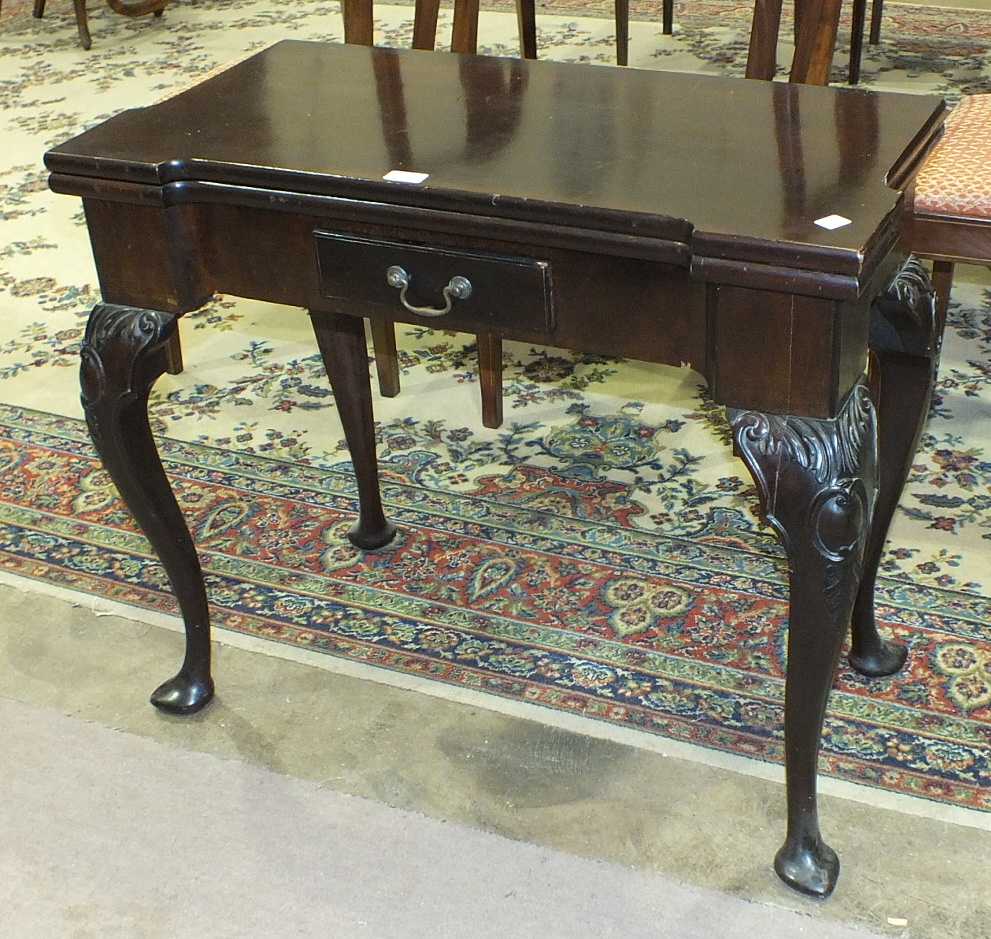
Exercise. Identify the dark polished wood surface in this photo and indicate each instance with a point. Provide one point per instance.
(659, 216)
(666, 155)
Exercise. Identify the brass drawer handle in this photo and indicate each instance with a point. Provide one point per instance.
(458, 289)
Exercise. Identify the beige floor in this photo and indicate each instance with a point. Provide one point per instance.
(619, 800)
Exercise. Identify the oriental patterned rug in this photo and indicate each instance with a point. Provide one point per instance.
(599, 554)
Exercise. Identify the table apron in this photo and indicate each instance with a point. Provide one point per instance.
(757, 349)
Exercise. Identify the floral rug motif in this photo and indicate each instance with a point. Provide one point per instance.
(599, 554)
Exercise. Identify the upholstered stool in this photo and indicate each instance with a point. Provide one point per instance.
(949, 217)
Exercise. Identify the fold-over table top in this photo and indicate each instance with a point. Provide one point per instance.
(731, 168)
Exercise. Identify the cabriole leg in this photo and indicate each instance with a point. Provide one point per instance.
(345, 356)
(123, 354)
(817, 481)
(906, 331)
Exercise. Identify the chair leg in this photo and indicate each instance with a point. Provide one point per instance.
(815, 42)
(857, 40)
(359, 29)
(762, 56)
(425, 24)
(623, 30)
(465, 39)
(39, 8)
(386, 357)
(877, 9)
(359, 22)
(82, 26)
(490, 378)
(465, 31)
(526, 18)
(667, 15)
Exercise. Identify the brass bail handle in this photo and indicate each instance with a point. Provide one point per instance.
(459, 288)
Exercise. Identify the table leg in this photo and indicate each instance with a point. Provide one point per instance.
(123, 354)
(817, 481)
(906, 330)
(345, 356)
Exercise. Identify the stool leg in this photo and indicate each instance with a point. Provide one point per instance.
(942, 278)
(623, 30)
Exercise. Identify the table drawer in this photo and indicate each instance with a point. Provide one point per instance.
(412, 282)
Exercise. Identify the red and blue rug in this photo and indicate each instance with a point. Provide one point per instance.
(533, 586)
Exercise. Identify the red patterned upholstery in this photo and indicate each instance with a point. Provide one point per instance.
(955, 180)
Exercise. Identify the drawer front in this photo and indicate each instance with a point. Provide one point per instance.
(414, 283)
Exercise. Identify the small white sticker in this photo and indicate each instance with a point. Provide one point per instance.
(832, 221)
(403, 176)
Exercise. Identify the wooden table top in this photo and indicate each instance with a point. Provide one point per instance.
(725, 165)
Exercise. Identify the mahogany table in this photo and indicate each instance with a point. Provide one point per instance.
(667, 217)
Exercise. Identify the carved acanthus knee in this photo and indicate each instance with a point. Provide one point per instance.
(123, 353)
(905, 316)
(816, 487)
